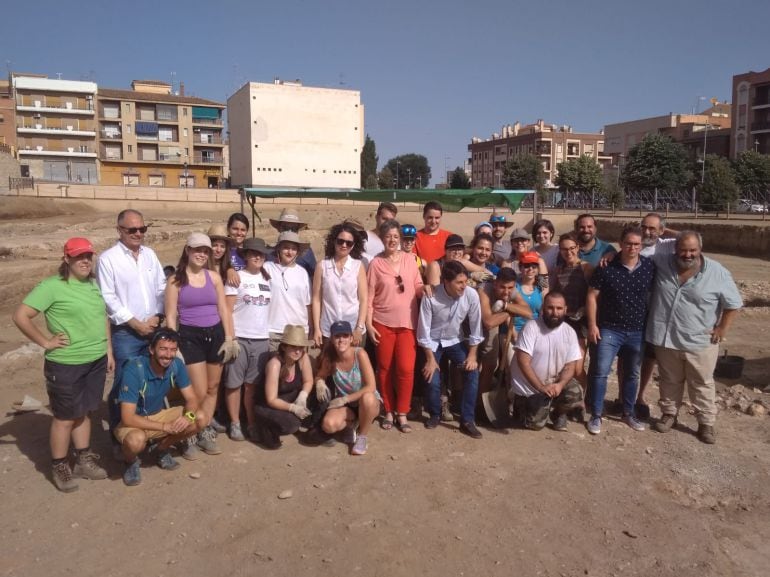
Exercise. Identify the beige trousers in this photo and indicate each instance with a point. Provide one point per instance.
(693, 369)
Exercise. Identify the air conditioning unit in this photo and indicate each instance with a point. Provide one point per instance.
(68, 105)
(38, 126)
(39, 148)
(69, 127)
(70, 149)
(36, 116)
(38, 104)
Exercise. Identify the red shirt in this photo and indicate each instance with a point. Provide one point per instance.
(430, 247)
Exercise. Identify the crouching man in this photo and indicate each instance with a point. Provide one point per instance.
(542, 371)
(144, 418)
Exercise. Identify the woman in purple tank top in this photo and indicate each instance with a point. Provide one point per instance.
(195, 306)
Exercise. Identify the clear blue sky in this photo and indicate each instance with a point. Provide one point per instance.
(431, 74)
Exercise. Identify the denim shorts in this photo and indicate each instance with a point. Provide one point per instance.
(75, 390)
(201, 344)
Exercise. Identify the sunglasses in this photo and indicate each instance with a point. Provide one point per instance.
(133, 229)
(400, 283)
(529, 265)
(497, 220)
(345, 242)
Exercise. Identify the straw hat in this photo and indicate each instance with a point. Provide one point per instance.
(288, 216)
(295, 336)
(289, 236)
(218, 232)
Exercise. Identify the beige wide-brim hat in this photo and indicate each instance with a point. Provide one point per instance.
(289, 236)
(218, 232)
(295, 336)
(288, 216)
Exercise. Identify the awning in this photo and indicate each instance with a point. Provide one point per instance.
(204, 112)
(147, 128)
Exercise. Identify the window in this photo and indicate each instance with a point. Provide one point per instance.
(184, 112)
(130, 148)
(128, 129)
(130, 179)
(156, 180)
(186, 181)
(166, 134)
(184, 132)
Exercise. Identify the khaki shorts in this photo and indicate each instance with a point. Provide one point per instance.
(162, 416)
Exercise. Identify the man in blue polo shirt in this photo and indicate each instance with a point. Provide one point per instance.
(616, 309)
(144, 418)
(592, 249)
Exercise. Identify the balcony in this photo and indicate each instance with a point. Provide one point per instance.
(207, 121)
(110, 135)
(201, 158)
(762, 126)
(54, 130)
(57, 149)
(53, 104)
(207, 139)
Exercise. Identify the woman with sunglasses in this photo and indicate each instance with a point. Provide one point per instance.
(542, 233)
(355, 389)
(528, 287)
(196, 308)
(78, 357)
(394, 285)
(339, 284)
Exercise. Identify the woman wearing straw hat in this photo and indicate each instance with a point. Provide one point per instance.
(196, 307)
(288, 382)
(289, 288)
(290, 221)
(78, 356)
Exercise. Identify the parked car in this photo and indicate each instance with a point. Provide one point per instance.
(748, 205)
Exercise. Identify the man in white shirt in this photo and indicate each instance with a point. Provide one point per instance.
(439, 333)
(542, 371)
(372, 242)
(132, 282)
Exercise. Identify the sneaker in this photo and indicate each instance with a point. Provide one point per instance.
(207, 442)
(217, 426)
(633, 422)
(432, 422)
(665, 423)
(707, 434)
(166, 461)
(132, 476)
(560, 422)
(359, 447)
(446, 414)
(236, 434)
(88, 468)
(349, 435)
(470, 429)
(62, 477)
(191, 451)
(594, 425)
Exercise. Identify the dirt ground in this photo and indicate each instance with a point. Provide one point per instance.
(430, 503)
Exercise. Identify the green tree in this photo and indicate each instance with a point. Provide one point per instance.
(410, 170)
(385, 178)
(459, 179)
(718, 190)
(613, 193)
(752, 174)
(369, 161)
(371, 182)
(523, 172)
(581, 174)
(657, 162)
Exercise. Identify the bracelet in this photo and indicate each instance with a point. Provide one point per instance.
(191, 416)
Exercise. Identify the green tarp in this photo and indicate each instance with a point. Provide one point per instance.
(205, 112)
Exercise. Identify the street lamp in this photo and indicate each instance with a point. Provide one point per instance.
(703, 168)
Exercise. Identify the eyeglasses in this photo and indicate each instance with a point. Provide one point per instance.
(400, 283)
(345, 242)
(133, 229)
(568, 248)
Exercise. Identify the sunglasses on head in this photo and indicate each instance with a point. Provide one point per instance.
(497, 219)
(400, 283)
(345, 242)
(133, 229)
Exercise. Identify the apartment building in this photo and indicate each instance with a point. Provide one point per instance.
(551, 143)
(751, 109)
(285, 134)
(151, 136)
(55, 128)
(7, 115)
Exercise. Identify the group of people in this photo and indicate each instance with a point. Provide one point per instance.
(260, 342)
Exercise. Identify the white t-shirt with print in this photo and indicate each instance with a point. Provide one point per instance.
(252, 306)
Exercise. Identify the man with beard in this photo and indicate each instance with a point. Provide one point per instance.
(616, 309)
(592, 249)
(501, 250)
(547, 353)
(694, 302)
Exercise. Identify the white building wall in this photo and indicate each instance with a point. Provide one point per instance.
(297, 136)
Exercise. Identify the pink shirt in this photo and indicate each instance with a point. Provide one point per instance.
(389, 306)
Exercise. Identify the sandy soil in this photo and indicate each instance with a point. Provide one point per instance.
(429, 503)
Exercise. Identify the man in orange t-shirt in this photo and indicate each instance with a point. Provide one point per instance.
(429, 245)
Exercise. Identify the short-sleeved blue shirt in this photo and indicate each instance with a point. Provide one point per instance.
(594, 255)
(623, 294)
(141, 386)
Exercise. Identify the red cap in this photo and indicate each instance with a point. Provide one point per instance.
(77, 246)
(529, 258)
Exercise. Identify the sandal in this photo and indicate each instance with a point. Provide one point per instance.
(386, 424)
(404, 427)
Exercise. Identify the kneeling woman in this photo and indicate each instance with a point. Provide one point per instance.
(288, 381)
(355, 394)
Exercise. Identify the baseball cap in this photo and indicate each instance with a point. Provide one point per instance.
(454, 240)
(499, 218)
(408, 231)
(198, 239)
(520, 233)
(529, 258)
(77, 246)
(340, 328)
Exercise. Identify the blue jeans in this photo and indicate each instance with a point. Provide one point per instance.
(627, 345)
(126, 344)
(457, 354)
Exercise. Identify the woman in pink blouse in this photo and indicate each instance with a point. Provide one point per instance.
(395, 285)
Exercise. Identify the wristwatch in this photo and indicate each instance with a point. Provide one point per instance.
(190, 416)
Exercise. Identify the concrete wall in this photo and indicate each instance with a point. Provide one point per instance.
(9, 167)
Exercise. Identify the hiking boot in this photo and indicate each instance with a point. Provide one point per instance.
(236, 434)
(349, 435)
(432, 422)
(132, 476)
(559, 422)
(633, 422)
(191, 451)
(359, 447)
(470, 429)
(166, 461)
(87, 467)
(446, 414)
(207, 442)
(594, 426)
(217, 426)
(665, 423)
(707, 434)
(62, 477)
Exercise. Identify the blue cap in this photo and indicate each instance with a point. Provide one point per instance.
(341, 328)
